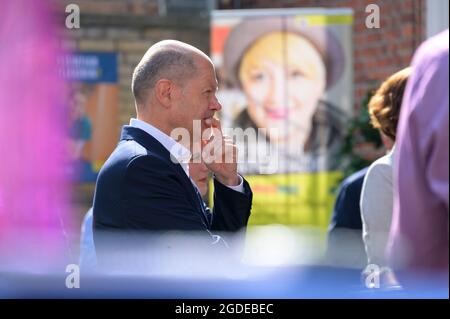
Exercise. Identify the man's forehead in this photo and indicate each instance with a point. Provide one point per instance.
(207, 74)
(212, 82)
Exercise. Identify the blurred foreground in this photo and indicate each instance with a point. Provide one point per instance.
(275, 262)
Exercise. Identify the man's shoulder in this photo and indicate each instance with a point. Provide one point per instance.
(356, 176)
(130, 154)
(355, 180)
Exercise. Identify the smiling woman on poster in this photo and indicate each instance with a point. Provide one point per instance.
(284, 70)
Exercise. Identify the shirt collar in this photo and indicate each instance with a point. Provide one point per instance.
(177, 151)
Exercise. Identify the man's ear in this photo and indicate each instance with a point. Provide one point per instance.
(164, 92)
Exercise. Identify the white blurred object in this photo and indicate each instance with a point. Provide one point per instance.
(279, 245)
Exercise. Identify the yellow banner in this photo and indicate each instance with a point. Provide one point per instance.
(323, 20)
(305, 199)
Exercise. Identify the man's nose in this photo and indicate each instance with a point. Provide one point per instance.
(215, 105)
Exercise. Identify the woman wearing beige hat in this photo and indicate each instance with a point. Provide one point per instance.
(284, 69)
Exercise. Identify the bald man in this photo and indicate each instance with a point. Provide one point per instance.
(145, 184)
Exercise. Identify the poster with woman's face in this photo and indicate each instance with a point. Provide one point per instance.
(286, 87)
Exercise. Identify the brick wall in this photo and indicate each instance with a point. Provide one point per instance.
(129, 28)
(377, 52)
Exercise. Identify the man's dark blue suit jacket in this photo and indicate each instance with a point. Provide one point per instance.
(346, 213)
(139, 188)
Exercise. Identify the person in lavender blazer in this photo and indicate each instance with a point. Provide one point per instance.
(419, 235)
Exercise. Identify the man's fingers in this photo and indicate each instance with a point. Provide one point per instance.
(215, 129)
(214, 123)
(223, 149)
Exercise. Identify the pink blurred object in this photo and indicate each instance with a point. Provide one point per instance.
(34, 206)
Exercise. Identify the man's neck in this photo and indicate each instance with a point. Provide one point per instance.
(165, 129)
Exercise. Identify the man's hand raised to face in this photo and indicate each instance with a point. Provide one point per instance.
(220, 154)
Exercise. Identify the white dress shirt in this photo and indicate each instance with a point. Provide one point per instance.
(178, 152)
